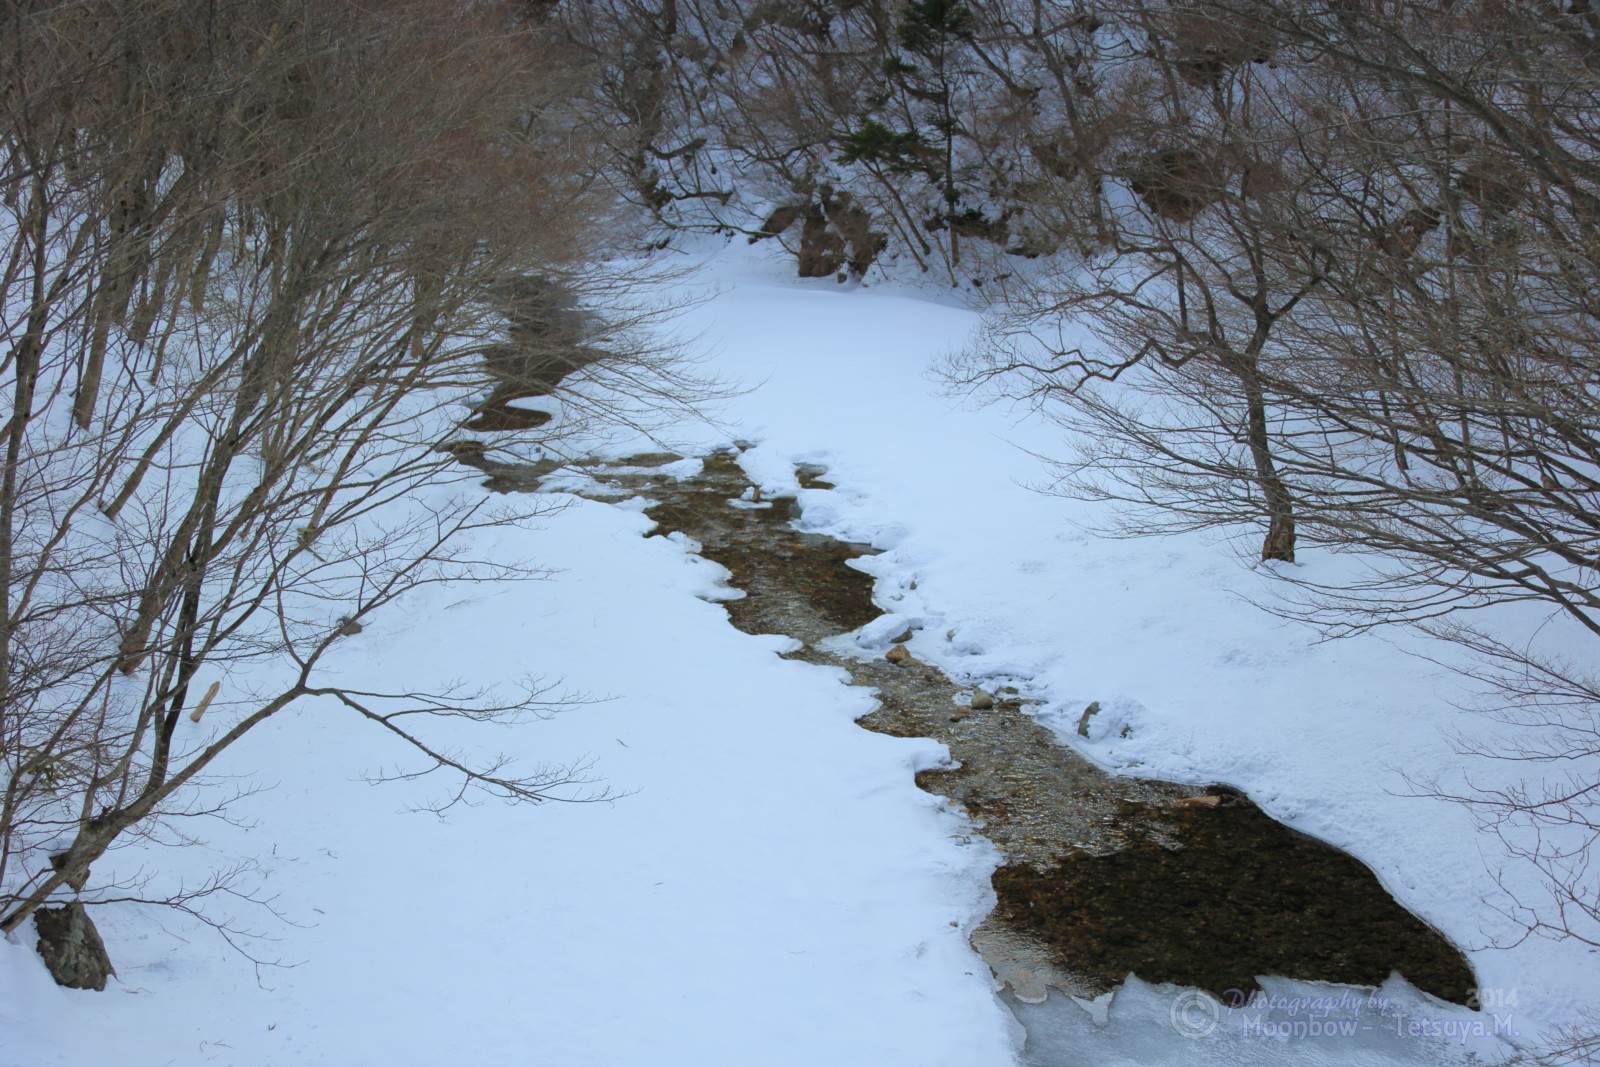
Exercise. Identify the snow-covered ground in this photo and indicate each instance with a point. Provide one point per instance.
(770, 883)
(769, 886)
(1161, 631)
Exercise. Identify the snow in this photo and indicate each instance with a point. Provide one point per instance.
(1163, 632)
(765, 884)
(876, 635)
(1300, 1024)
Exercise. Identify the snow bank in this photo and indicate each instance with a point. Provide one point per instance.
(1159, 631)
(768, 885)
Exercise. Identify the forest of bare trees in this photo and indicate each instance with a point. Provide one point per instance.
(261, 261)
(1329, 274)
(1327, 271)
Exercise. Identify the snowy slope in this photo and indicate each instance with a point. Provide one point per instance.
(769, 886)
(1322, 735)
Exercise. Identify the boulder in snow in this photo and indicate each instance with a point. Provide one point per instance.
(71, 947)
(1083, 720)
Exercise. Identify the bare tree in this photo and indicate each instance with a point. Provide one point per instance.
(1358, 261)
(256, 277)
(1321, 271)
(843, 130)
(1177, 298)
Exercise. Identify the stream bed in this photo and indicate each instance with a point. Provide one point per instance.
(1104, 875)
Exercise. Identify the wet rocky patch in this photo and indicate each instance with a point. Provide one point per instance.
(1212, 896)
(548, 337)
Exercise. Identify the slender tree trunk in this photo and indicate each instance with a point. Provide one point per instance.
(26, 355)
(1279, 542)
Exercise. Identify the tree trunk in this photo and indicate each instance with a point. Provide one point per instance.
(1279, 542)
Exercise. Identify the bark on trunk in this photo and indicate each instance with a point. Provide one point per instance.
(1279, 542)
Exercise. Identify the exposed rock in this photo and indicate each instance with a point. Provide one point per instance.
(821, 250)
(778, 221)
(809, 475)
(71, 947)
(981, 700)
(838, 234)
(1083, 720)
(854, 225)
(905, 635)
(969, 223)
(1186, 803)
(897, 654)
(1177, 184)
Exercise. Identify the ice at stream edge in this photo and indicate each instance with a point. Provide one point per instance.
(1291, 1024)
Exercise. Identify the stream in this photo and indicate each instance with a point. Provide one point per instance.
(1104, 875)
